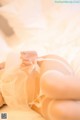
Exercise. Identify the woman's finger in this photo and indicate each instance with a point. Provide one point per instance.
(56, 85)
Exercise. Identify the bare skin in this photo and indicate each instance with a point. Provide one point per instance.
(59, 84)
(64, 96)
(2, 66)
(60, 89)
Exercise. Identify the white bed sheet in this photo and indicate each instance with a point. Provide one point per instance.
(61, 37)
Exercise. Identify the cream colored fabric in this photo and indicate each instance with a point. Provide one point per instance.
(60, 34)
(13, 88)
(20, 114)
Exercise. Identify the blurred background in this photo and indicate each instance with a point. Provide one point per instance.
(41, 25)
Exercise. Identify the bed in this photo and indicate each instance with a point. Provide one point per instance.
(60, 35)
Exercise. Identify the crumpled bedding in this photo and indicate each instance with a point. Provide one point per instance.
(20, 114)
(61, 37)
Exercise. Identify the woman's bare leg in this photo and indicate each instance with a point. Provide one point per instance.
(64, 110)
(62, 96)
(58, 109)
(59, 86)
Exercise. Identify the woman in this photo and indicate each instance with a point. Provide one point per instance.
(47, 84)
